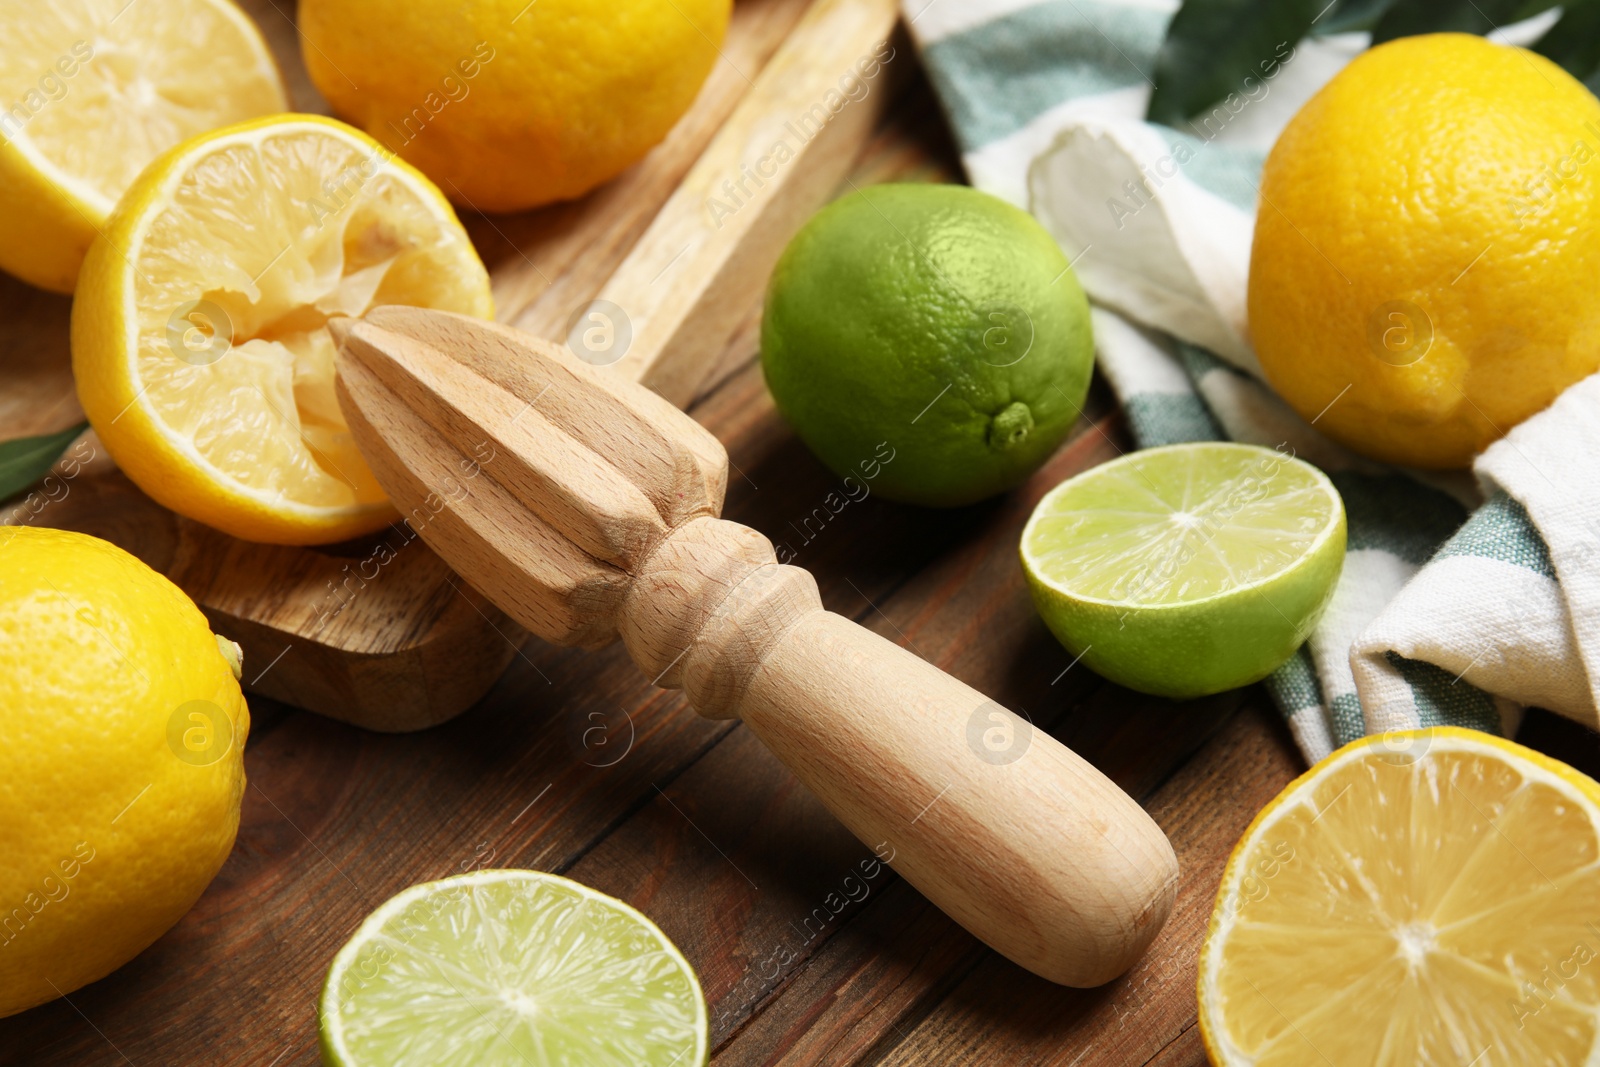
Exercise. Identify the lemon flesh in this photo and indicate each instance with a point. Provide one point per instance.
(200, 338)
(1186, 570)
(90, 92)
(1425, 897)
(511, 967)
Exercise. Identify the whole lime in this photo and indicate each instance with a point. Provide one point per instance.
(929, 338)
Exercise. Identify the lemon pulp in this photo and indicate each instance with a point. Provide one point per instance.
(91, 91)
(1426, 897)
(223, 270)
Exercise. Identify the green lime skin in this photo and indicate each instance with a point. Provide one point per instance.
(1190, 650)
(1185, 651)
(930, 339)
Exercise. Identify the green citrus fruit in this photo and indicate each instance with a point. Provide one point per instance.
(511, 969)
(930, 339)
(1186, 570)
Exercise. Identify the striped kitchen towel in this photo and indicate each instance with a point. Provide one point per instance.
(1462, 601)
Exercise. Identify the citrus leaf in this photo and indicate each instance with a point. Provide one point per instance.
(1343, 16)
(1531, 8)
(1406, 18)
(25, 460)
(1216, 47)
(1574, 42)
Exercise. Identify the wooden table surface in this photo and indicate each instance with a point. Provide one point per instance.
(573, 763)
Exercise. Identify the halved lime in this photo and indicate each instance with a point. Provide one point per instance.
(514, 968)
(1186, 570)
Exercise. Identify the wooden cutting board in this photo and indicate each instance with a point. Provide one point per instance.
(658, 267)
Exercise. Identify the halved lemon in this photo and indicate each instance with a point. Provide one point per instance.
(1189, 569)
(199, 332)
(1417, 898)
(93, 90)
(508, 968)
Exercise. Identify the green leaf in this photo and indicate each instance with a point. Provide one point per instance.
(1215, 48)
(1531, 8)
(1342, 16)
(1410, 17)
(25, 460)
(1574, 42)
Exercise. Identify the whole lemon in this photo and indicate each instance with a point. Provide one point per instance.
(509, 104)
(121, 771)
(1427, 248)
(929, 343)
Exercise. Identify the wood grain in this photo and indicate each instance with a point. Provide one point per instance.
(574, 763)
(1205, 807)
(707, 255)
(375, 632)
(571, 532)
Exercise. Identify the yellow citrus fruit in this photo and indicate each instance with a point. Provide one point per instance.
(1419, 897)
(509, 104)
(93, 90)
(1427, 248)
(199, 333)
(122, 767)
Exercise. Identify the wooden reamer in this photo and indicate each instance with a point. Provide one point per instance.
(585, 506)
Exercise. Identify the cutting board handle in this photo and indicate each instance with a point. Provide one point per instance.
(1013, 835)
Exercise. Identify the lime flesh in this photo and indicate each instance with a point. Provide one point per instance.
(1186, 570)
(515, 968)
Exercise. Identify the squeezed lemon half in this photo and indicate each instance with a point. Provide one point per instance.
(199, 332)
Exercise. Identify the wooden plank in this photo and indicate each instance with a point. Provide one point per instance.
(393, 645)
(337, 819)
(901, 984)
(38, 397)
(707, 255)
(550, 263)
(1013, 1018)
(864, 993)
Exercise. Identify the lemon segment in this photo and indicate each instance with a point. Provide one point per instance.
(199, 334)
(90, 92)
(1428, 896)
(1188, 569)
(511, 967)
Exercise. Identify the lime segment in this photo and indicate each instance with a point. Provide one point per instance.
(511, 967)
(1188, 569)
